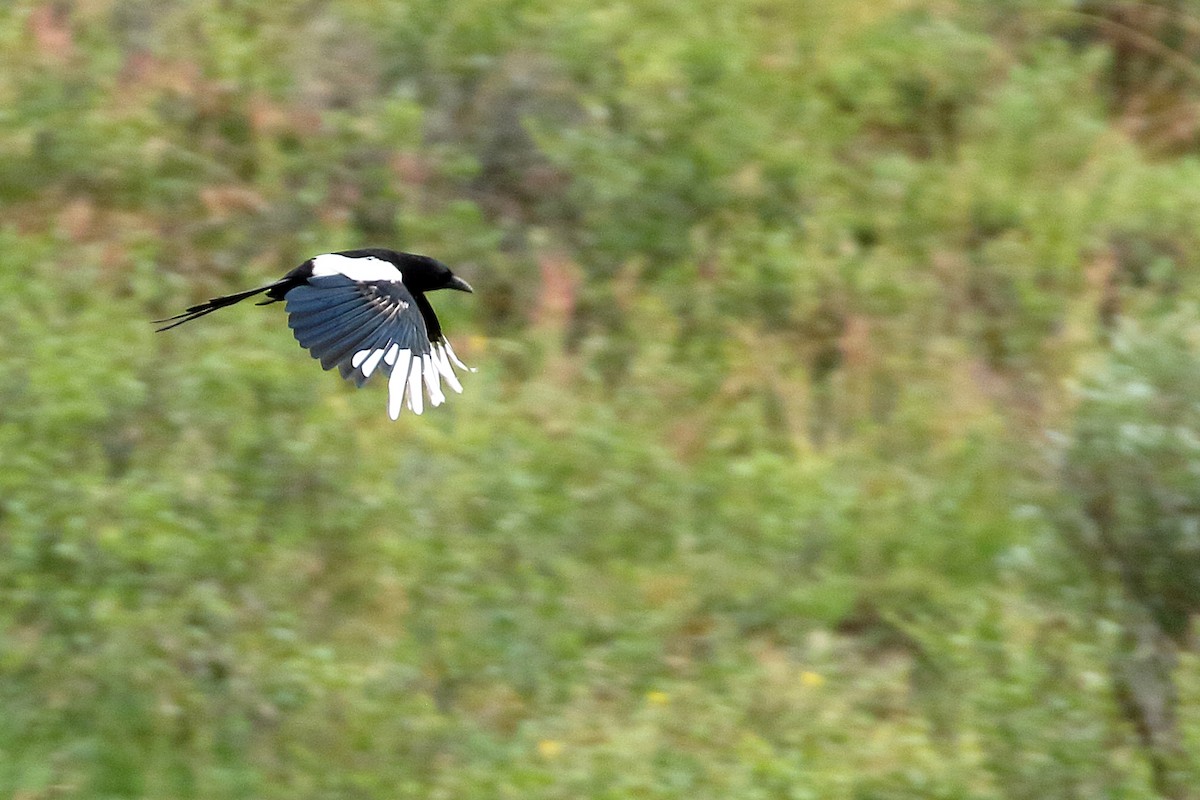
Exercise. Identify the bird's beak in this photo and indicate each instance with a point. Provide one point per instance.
(459, 284)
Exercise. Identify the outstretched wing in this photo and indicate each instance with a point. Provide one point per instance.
(364, 327)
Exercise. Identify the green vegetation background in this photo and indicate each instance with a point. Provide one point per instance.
(835, 433)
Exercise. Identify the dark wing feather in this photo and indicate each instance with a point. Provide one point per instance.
(364, 327)
(432, 326)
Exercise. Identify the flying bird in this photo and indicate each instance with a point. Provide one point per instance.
(365, 311)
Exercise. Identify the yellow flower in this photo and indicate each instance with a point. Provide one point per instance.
(811, 679)
(658, 698)
(549, 748)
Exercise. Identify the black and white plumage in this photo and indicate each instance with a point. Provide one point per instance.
(365, 311)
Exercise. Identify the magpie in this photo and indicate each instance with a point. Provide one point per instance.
(365, 311)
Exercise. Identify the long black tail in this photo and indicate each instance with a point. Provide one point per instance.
(209, 306)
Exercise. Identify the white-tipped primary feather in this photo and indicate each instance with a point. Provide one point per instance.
(454, 357)
(416, 393)
(432, 382)
(443, 366)
(397, 383)
(413, 375)
(372, 362)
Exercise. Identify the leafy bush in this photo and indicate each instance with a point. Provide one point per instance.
(1130, 472)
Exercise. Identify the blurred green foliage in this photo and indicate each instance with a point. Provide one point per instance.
(1130, 473)
(753, 494)
(1132, 465)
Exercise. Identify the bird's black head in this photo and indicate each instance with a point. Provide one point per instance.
(425, 274)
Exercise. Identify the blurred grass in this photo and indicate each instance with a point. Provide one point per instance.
(753, 494)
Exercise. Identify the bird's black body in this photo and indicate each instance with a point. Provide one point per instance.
(364, 310)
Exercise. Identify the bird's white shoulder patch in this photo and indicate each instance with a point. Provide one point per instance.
(368, 268)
